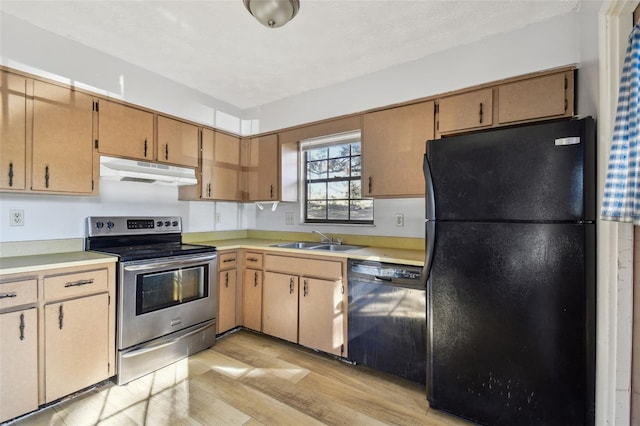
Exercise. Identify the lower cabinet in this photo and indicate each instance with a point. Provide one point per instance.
(252, 299)
(227, 289)
(76, 344)
(303, 302)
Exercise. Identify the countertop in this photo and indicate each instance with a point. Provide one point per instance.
(39, 262)
(380, 254)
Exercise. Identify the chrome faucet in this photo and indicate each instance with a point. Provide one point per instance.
(324, 238)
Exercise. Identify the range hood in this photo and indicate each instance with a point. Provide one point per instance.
(144, 171)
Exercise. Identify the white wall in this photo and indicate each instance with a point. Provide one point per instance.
(560, 41)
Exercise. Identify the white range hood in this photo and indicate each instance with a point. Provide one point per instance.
(144, 171)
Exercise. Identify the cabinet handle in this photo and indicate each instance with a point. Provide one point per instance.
(291, 285)
(271, 191)
(306, 288)
(226, 280)
(21, 327)
(369, 184)
(209, 190)
(229, 260)
(145, 147)
(6, 295)
(46, 177)
(566, 105)
(78, 283)
(480, 112)
(252, 259)
(166, 151)
(255, 279)
(60, 317)
(11, 172)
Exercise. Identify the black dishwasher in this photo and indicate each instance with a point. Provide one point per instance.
(387, 322)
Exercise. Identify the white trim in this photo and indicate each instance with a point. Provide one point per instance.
(615, 241)
(337, 138)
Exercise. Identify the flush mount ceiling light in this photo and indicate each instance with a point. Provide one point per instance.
(272, 13)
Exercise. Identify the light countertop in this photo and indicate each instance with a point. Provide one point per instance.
(39, 262)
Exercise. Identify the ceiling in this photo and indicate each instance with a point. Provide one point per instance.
(218, 48)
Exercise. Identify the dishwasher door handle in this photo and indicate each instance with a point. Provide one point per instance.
(379, 278)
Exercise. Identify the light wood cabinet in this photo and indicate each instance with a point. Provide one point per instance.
(226, 169)
(227, 290)
(393, 146)
(304, 301)
(76, 344)
(63, 155)
(262, 168)
(548, 96)
(124, 131)
(252, 299)
(13, 135)
(177, 142)
(18, 348)
(464, 112)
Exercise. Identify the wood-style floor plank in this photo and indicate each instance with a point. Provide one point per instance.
(250, 379)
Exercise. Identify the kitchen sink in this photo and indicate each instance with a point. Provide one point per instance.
(317, 246)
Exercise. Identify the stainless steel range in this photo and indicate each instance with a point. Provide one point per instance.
(166, 291)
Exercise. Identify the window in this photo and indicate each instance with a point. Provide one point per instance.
(332, 182)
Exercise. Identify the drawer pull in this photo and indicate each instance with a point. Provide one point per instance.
(21, 327)
(229, 260)
(7, 295)
(252, 259)
(306, 288)
(79, 283)
(60, 317)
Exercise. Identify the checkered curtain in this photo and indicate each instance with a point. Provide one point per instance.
(621, 200)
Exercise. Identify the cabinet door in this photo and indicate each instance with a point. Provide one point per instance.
(13, 124)
(393, 146)
(76, 344)
(252, 299)
(321, 315)
(62, 140)
(262, 168)
(541, 97)
(226, 300)
(280, 306)
(177, 142)
(125, 131)
(207, 163)
(473, 110)
(226, 168)
(18, 363)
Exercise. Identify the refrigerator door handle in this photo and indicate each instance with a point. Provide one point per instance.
(430, 240)
(430, 202)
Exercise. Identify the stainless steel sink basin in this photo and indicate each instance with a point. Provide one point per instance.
(317, 246)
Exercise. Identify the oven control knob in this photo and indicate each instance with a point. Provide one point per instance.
(175, 223)
(99, 225)
(167, 223)
(159, 223)
(110, 225)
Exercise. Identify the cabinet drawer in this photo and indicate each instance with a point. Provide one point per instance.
(227, 260)
(328, 269)
(253, 260)
(18, 293)
(71, 285)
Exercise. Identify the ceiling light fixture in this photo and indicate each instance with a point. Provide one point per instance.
(272, 13)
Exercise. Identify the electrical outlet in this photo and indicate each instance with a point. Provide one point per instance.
(399, 219)
(218, 217)
(288, 218)
(16, 217)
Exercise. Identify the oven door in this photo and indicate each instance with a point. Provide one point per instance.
(157, 297)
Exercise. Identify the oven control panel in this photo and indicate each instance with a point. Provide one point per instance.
(124, 225)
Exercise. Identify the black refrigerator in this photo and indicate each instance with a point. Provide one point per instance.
(510, 267)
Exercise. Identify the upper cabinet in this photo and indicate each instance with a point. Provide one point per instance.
(226, 168)
(62, 140)
(13, 137)
(177, 142)
(261, 161)
(393, 146)
(540, 97)
(124, 131)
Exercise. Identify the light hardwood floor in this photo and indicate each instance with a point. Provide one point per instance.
(251, 379)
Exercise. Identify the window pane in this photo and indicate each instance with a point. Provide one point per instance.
(317, 170)
(356, 167)
(338, 189)
(317, 154)
(355, 148)
(339, 151)
(317, 191)
(317, 210)
(338, 210)
(362, 210)
(339, 167)
(356, 189)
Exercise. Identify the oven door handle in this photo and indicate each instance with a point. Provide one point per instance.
(169, 262)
